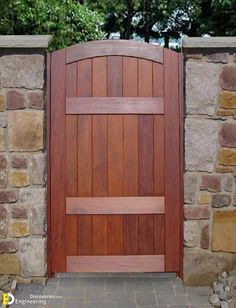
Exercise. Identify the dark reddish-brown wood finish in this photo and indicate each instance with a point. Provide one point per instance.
(116, 159)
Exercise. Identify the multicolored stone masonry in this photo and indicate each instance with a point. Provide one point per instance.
(22, 159)
(210, 159)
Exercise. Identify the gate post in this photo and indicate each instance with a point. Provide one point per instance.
(23, 156)
(210, 158)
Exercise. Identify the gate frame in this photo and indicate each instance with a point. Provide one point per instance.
(181, 159)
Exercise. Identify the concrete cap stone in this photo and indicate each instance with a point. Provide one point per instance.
(209, 42)
(25, 41)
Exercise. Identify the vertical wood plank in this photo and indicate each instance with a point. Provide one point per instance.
(48, 126)
(71, 161)
(84, 88)
(181, 160)
(130, 88)
(172, 176)
(100, 160)
(159, 163)
(146, 152)
(159, 155)
(58, 175)
(115, 157)
(158, 80)
(159, 234)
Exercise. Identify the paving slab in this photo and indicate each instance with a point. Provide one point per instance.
(107, 290)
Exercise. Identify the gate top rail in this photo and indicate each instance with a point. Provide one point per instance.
(114, 48)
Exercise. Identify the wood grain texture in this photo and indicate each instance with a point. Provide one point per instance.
(116, 263)
(115, 156)
(115, 205)
(146, 158)
(159, 234)
(172, 172)
(71, 161)
(130, 89)
(159, 155)
(48, 128)
(181, 161)
(114, 48)
(57, 162)
(84, 153)
(100, 154)
(114, 105)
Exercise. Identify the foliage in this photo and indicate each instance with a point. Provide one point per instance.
(67, 20)
(167, 18)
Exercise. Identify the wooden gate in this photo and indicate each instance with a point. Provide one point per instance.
(115, 166)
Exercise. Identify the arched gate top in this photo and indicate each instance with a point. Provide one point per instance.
(128, 48)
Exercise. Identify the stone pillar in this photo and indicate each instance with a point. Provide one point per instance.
(22, 155)
(210, 158)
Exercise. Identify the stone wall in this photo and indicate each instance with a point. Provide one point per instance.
(210, 158)
(22, 156)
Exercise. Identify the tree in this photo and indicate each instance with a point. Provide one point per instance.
(167, 18)
(119, 15)
(68, 21)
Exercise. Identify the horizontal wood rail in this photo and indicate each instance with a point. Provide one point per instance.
(114, 105)
(134, 263)
(115, 205)
(114, 48)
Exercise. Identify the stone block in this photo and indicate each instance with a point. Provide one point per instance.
(227, 157)
(224, 112)
(38, 169)
(2, 140)
(194, 212)
(22, 71)
(3, 221)
(19, 211)
(205, 236)
(32, 196)
(190, 187)
(223, 231)
(196, 56)
(18, 228)
(26, 130)
(204, 198)
(8, 196)
(228, 78)
(9, 264)
(201, 87)
(3, 119)
(18, 178)
(15, 100)
(228, 99)
(228, 183)
(198, 134)
(19, 161)
(2, 103)
(38, 219)
(36, 100)
(3, 170)
(33, 257)
(219, 57)
(220, 200)
(202, 267)
(191, 233)
(8, 246)
(211, 183)
(223, 169)
(228, 135)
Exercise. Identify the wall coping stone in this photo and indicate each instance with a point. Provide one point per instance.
(25, 41)
(209, 42)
